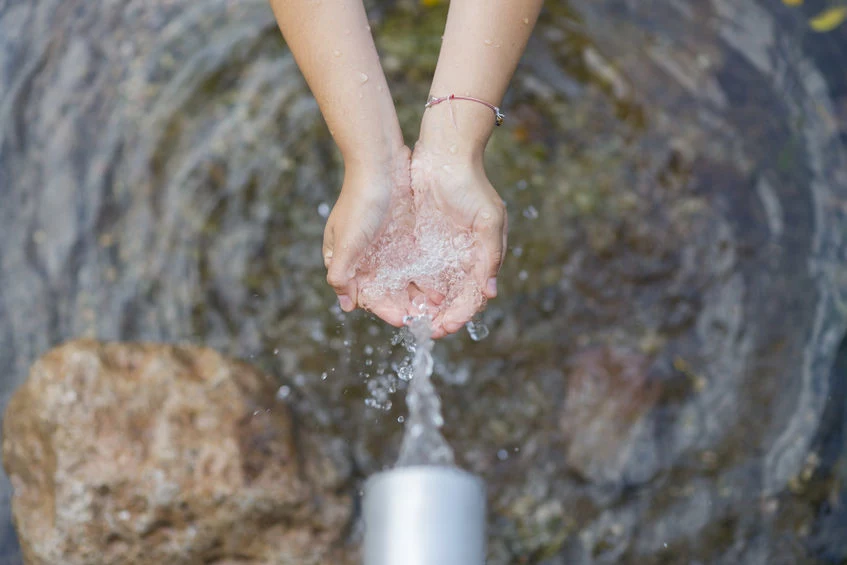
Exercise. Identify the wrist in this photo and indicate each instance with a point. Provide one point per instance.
(378, 170)
(369, 135)
(459, 128)
(372, 158)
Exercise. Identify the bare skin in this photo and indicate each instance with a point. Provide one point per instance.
(383, 181)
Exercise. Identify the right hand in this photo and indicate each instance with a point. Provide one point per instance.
(372, 196)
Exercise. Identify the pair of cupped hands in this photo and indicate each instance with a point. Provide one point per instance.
(386, 195)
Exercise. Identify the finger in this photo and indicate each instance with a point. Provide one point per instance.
(416, 302)
(438, 332)
(423, 299)
(390, 312)
(434, 297)
(462, 310)
(341, 276)
(328, 244)
(339, 283)
(490, 226)
(504, 245)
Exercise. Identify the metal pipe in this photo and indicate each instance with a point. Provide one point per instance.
(424, 515)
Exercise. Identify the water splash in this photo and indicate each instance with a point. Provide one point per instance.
(477, 329)
(423, 443)
(422, 248)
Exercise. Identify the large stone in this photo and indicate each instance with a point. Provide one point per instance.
(162, 454)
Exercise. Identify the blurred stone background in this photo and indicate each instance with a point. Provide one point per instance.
(665, 377)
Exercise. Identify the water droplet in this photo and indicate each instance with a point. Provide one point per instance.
(488, 42)
(369, 350)
(401, 419)
(517, 251)
(523, 275)
(530, 213)
(453, 149)
(346, 343)
(363, 78)
(522, 184)
(477, 330)
(276, 351)
(419, 302)
(336, 53)
(323, 210)
(526, 21)
(405, 373)
(502, 455)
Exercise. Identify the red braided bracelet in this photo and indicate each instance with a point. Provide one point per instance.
(498, 115)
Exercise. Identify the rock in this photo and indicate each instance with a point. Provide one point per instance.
(608, 399)
(123, 453)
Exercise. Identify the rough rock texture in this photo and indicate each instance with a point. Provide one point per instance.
(160, 454)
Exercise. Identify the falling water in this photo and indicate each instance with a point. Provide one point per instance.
(423, 443)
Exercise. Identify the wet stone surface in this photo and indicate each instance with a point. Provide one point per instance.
(660, 381)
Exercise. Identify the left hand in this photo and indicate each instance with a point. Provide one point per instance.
(456, 188)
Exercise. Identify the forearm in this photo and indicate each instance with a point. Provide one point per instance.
(333, 46)
(483, 42)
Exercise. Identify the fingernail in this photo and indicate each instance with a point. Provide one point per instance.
(345, 302)
(491, 288)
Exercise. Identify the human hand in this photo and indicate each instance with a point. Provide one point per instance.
(452, 185)
(375, 198)
(425, 235)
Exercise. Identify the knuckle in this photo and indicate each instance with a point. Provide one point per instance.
(490, 217)
(335, 279)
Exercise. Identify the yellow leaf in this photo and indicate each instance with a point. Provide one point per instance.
(792, 2)
(430, 3)
(829, 19)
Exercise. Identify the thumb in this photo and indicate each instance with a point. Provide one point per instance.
(341, 271)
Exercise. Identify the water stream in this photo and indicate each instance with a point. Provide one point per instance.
(423, 443)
